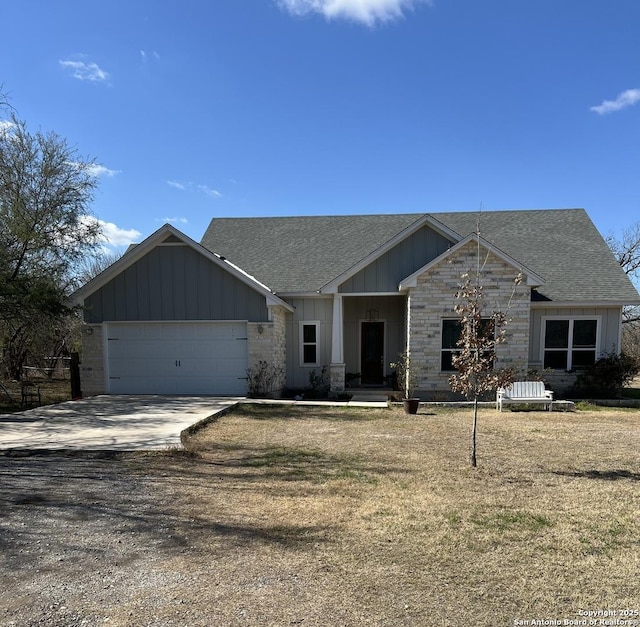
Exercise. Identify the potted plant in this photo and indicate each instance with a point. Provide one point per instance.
(405, 377)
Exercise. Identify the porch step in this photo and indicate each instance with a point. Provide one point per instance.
(371, 395)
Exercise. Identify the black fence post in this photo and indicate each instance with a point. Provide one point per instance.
(74, 374)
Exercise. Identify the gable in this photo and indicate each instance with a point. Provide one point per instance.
(170, 277)
(464, 256)
(174, 282)
(385, 272)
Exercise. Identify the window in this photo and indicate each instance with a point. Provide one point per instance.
(451, 330)
(570, 343)
(450, 337)
(309, 336)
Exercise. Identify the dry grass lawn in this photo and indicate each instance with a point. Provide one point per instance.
(373, 517)
(280, 515)
(51, 391)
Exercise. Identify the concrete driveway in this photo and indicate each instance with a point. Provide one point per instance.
(122, 423)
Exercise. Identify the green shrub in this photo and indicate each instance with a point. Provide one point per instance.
(607, 377)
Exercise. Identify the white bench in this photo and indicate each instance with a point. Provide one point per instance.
(521, 392)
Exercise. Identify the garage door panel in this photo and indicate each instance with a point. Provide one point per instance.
(177, 358)
(173, 349)
(171, 385)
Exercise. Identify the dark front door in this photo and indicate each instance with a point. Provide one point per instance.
(372, 353)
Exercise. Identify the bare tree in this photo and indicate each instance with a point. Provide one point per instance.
(95, 263)
(627, 252)
(4, 99)
(480, 334)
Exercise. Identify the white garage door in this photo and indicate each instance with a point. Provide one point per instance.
(177, 358)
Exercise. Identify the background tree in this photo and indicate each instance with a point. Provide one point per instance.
(627, 251)
(95, 263)
(45, 230)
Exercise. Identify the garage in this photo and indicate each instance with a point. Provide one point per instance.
(171, 317)
(195, 357)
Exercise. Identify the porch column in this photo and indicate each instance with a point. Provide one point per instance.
(337, 346)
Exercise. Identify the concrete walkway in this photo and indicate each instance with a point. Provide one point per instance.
(318, 403)
(123, 423)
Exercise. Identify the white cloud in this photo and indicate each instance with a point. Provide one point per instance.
(96, 169)
(626, 99)
(144, 55)
(85, 71)
(368, 12)
(111, 234)
(174, 221)
(209, 191)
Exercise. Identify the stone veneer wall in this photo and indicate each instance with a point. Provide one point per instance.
(433, 299)
(559, 381)
(92, 373)
(270, 345)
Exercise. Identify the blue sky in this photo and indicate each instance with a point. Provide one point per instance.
(201, 109)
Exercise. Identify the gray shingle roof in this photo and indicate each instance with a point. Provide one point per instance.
(302, 254)
(562, 245)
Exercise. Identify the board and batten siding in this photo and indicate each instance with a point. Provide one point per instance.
(609, 329)
(385, 273)
(320, 310)
(175, 282)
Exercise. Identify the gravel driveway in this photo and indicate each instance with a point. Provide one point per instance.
(73, 529)
(107, 538)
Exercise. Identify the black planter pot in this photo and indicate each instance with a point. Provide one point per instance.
(411, 405)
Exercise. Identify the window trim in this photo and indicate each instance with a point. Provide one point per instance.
(571, 319)
(302, 343)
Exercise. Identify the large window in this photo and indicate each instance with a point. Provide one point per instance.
(570, 343)
(309, 343)
(451, 330)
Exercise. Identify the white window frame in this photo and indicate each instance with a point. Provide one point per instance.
(303, 324)
(571, 319)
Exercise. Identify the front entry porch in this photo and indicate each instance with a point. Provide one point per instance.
(368, 333)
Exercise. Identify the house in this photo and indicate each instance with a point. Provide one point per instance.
(174, 316)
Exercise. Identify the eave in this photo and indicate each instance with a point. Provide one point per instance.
(552, 304)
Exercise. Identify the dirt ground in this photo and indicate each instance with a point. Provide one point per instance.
(51, 391)
(328, 519)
